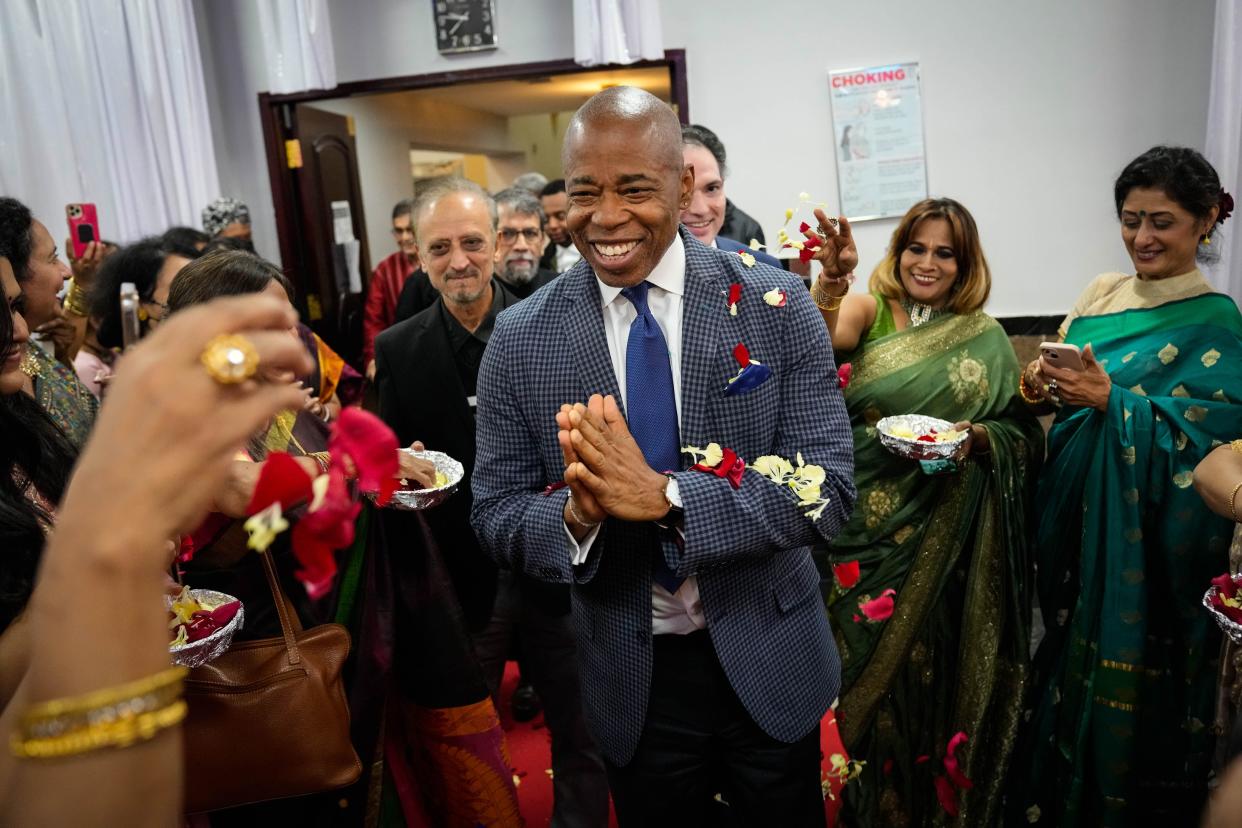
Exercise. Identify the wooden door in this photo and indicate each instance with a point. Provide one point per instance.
(328, 176)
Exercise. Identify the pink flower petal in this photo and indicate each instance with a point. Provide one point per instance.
(879, 609)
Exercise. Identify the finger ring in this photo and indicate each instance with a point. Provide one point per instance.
(230, 359)
(1052, 388)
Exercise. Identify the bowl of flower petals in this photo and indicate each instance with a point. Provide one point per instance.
(449, 473)
(916, 437)
(202, 624)
(1224, 600)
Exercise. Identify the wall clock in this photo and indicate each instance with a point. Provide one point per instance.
(464, 25)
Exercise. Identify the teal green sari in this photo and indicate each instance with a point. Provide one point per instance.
(1126, 675)
(954, 655)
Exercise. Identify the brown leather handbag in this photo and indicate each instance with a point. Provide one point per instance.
(269, 719)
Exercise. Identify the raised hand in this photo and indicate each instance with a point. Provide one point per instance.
(837, 253)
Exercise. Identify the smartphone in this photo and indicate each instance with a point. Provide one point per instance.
(130, 329)
(1062, 355)
(83, 227)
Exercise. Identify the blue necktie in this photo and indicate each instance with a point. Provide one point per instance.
(650, 406)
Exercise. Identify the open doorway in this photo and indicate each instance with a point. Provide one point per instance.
(339, 160)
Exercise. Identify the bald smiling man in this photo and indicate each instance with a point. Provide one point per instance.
(705, 652)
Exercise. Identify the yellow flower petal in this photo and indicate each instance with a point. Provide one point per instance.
(264, 526)
(788, 214)
(774, 297)
(713, 455)
(755, 244)
(747, 259)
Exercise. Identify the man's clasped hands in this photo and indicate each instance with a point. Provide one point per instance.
(605, 469)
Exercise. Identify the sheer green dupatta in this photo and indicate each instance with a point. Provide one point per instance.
(953, 656)
(1126, 548)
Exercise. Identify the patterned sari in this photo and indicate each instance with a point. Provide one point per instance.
(60, 393)
(1126, 676)
(954, 655)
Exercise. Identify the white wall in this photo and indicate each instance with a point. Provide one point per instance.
(235, 72)
(540, 137)
(1030, 110)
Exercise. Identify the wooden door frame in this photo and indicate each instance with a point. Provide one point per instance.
(276, 118)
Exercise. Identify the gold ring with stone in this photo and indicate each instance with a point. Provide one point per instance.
(230, 359)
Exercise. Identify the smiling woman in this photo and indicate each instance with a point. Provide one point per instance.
(1128, 650)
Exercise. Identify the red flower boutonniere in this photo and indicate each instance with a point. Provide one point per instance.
(722, 462)
(735, 295)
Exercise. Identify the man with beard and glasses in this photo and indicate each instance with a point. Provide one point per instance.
(427, 369)
(520, 241)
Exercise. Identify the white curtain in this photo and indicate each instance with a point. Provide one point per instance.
(298, 39)
(617, 31)
(1224, 138)
(103, 101)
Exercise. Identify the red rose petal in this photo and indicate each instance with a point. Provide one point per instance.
(946, 795)
(281, 479)
(879, 609)
(371, 446)
(803, 227)
(844, 374)
(321, 532)
(735, 293)
(742, 354)
(847, 574)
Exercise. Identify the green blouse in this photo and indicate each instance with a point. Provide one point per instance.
(884, 323)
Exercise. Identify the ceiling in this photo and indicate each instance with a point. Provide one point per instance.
(558, 93)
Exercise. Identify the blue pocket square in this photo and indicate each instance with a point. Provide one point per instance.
(748, 379)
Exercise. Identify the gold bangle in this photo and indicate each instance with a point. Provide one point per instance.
(75, 301)
(820, 295)
(112, 716)
(1024, 392)
(1236, 446)
(119, 734)
(1233, 502)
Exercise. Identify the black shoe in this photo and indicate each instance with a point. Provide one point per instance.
(525, 704)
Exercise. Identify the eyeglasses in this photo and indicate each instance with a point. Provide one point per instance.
(508, 235)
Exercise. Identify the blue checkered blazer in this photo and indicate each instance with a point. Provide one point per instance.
(748, 547)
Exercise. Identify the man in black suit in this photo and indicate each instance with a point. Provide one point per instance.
(426, 371)
(520, 241)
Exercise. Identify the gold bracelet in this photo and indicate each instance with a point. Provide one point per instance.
(122, 733)
(118, 716)
(75, 301)
(1233, 502)
(1024, 391)
(1236, 446)
(820, 295)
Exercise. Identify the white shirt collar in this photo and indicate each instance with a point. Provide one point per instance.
(669, 274)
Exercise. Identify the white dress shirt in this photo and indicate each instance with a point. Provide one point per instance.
(566, 257)
(682, 612)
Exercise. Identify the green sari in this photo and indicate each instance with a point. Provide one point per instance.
(1125, 678)
(954, 655)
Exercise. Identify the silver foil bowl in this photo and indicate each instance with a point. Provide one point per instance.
(915, 449)
(198, 653)
(414, 500)
(1230, 628)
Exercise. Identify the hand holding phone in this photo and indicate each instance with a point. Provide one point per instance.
(83, 227)
(1062, 355)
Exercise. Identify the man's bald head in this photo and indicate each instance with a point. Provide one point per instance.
(627, 106)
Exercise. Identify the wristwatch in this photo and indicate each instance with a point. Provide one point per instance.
(676, 515)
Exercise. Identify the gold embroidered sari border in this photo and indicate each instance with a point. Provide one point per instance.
(911, 346)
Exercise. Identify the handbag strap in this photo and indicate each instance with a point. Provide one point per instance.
(290, 624)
